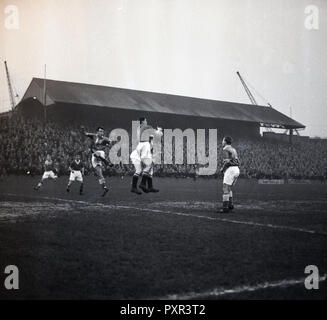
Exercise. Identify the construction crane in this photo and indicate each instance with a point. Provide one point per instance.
(253, 101)
(12, 96)
(247, 90)
(250, 95)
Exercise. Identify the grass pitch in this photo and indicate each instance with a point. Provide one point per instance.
(167, 245)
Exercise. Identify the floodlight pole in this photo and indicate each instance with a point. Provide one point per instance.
(45, 93)
(291, 136)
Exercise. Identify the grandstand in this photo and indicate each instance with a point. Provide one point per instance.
(117, 107)
(26, 138)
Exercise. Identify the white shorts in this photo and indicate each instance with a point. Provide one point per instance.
(142, 151)
(135, 156)
(49, 174)
(141, 158)
(97, 162)
(148, 166)
(137, 165)
(231, 174)
(76, 175)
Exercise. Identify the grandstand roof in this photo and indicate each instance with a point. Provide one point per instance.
(101, 96)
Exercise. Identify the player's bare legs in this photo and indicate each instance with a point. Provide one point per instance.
(68, 185)
(80, 187)
(39, 185)
(102, 180)
(104, 160)
(227, 199)
(138, 171)
(150, 181)
(146, 176)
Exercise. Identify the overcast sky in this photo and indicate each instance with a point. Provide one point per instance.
(185, 47)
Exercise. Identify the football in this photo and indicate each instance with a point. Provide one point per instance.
(159, 132)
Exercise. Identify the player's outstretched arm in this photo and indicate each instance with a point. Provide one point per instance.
(88, 134)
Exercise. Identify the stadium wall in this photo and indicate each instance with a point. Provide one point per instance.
(273, 136)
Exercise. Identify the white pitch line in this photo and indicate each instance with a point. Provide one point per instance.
(220, 292)
(249, 223)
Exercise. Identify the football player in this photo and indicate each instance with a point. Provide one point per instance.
(50, 172)
(142, 159)
(99, 162)
(76, 173)
(231, 171)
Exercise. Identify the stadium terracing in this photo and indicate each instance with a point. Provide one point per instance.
(117, 107)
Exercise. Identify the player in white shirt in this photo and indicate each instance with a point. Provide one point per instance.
(50, 172)
(142, 159)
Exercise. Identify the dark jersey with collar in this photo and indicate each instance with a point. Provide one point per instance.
(231, 159)
(98, 143)
(77, 166)
(231, 155)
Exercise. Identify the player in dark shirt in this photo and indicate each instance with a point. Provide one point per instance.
(76, 173)
(99, 144)
(231, 171)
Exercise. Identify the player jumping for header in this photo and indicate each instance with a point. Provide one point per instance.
(231, 171)
(99, 143)
(76, 173)
(142, 159)
(50, 172)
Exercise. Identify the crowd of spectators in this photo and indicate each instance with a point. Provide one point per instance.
(24, 144)
(275, 160)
